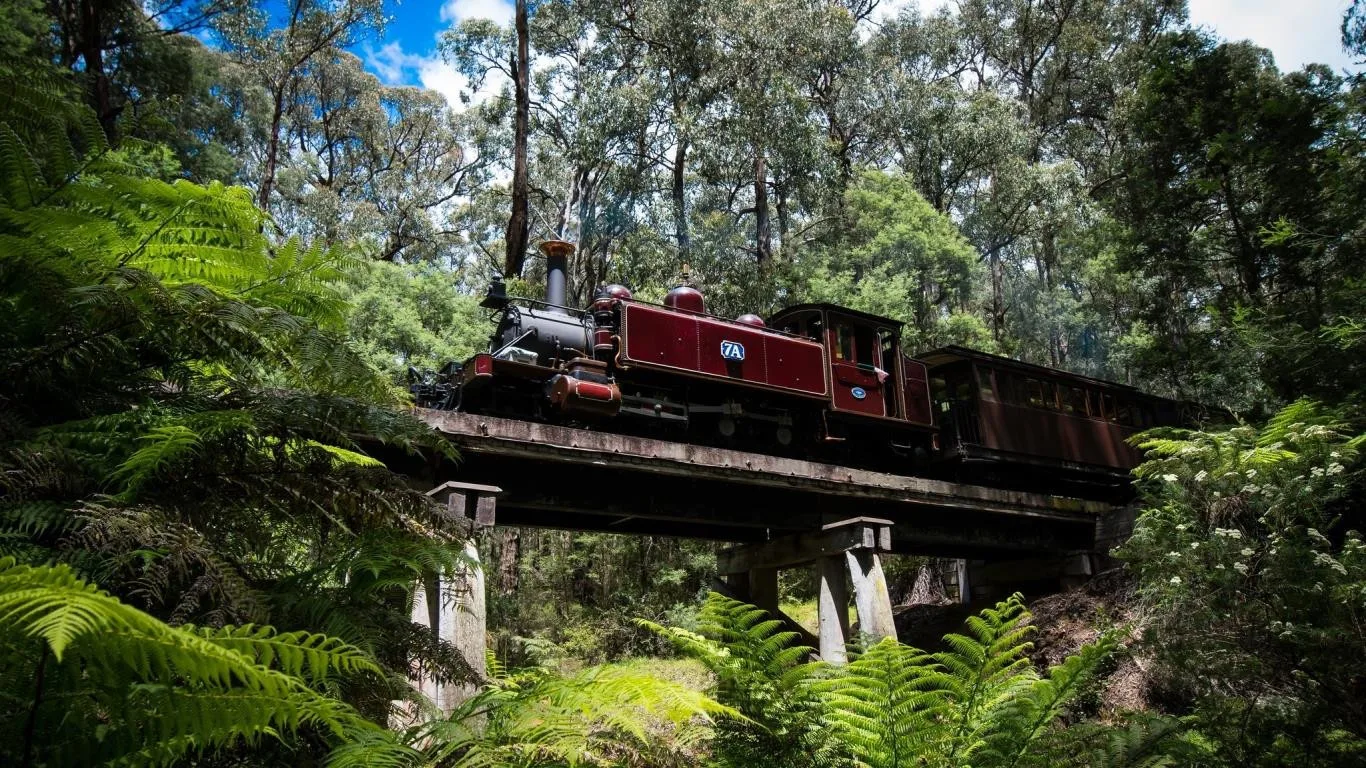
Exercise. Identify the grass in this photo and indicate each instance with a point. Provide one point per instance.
(685, 672)
(807, 614)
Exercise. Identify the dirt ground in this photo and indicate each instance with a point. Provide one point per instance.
(1066, 620)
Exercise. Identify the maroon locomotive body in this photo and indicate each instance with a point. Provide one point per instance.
(817, 380)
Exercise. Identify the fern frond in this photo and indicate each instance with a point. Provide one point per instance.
(535, 717)
(164, 691)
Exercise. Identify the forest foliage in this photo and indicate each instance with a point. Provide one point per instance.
(223, 241)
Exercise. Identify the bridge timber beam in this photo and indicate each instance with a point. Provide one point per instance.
(853, 544)
(562, 477)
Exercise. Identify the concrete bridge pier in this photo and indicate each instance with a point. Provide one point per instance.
(846, 553)
(452, 605)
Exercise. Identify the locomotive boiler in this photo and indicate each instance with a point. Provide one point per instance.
(817, 381)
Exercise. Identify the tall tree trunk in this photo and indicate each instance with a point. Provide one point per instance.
(1249, 271)
(763, 234)
(272, 150)
(998, 310)
(92, 54)
(519, 223)
(509, 558)
(680, 198)
(784, 221)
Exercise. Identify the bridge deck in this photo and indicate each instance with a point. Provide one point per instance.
(561, 477)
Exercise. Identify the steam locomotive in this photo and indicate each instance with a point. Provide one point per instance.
(815, 381)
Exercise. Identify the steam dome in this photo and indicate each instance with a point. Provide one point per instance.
(685, 298)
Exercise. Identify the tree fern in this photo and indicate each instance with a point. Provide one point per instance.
(601, 716)
(765, 673)
(979, 702)
(106, 682)
(888, 705)
(182, 416)
(985, 670)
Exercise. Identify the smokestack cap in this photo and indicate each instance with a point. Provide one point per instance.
(556, 248)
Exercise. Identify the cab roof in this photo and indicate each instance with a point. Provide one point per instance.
(877, 319)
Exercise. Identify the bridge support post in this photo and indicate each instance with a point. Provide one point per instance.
(843, 551)
(763, 588)
(452, 605)
(832, 610)
(871, 597)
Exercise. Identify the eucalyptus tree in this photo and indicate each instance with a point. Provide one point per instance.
(679, 54)
(387, 166)
(278, 58)
(1232, 189)
(895, 255)
(760, 127)
(593, 141)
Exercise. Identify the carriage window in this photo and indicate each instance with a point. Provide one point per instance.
(1050, 395)
(1124, 413)
(1034, 392)
(1109, 403)
(985, 384)
(865, 344)
(1013, 389)
(938, 392)
(1074, 401)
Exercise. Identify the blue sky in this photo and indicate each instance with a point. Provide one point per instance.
(1296, 31)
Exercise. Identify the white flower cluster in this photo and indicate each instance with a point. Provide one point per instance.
(1230, 533)
(1322, 558)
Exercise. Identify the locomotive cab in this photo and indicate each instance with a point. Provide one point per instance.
(869, 374)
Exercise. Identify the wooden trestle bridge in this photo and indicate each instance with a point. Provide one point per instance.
(779, 512)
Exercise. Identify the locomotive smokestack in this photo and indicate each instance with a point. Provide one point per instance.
(556, 265)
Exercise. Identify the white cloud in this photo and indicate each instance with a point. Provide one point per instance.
(1297, 33)
(457, 11)
(441, 77)
(395, 66)
(390, 62)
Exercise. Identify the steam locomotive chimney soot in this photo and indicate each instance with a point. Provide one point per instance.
(556, 265)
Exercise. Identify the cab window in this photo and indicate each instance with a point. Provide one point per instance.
(855, 344)
(844, 343)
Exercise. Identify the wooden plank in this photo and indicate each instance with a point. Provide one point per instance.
(485, 511)
(833, 609)
(763, 588)
(871, 597)
(800, 548)
(512, 438)
(874, 521)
